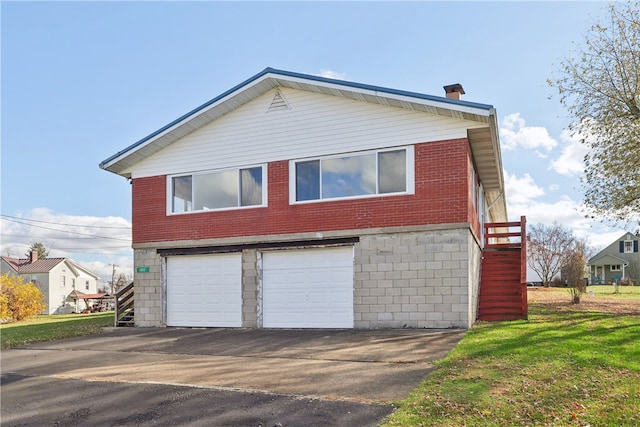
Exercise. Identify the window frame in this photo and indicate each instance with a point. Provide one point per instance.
(237, 170)
(615, 267)
(409, 175)
(624, 246)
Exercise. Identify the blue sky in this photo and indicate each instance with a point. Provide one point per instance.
(83, 80)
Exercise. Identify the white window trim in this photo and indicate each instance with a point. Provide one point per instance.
(169, 198)
(624, 246)
(618, 267)
(410, 170)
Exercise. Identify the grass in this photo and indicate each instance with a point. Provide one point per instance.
(624, 292)
(565, 366)
(47, 328)
(559, 368)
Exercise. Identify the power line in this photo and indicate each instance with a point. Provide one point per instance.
(66, 231)
(60, 223)
(59, 238)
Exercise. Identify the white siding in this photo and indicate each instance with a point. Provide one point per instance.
(57, 292)
(315, 125)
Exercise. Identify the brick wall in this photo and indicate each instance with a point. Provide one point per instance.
(442, 195)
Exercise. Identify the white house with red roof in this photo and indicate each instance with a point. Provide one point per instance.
(57, 278)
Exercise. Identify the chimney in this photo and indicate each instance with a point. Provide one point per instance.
(34, 256)
(453, 91)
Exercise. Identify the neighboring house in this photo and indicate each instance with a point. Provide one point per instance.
(57, 278)
(619, 260)
(296, 201)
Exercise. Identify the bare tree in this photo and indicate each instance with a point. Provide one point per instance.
(574, 268)
(120, 282)
(547, 249)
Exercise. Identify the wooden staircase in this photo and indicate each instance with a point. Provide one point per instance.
(125, 314)
(503, 287)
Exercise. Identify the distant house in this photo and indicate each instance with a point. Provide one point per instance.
(297, 201)
(620, 260)
(57, 278)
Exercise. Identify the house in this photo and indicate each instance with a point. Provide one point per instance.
(57, 278)
(297, 201)
(620, 260)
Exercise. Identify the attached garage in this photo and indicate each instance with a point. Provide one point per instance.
(204, 290)
(308, 288)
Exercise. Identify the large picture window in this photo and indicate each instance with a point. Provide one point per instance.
(231, 188)
(353, 175)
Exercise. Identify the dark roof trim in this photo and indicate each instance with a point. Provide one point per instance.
(291, 74)
(204, 250)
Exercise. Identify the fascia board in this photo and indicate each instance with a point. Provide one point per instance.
(182, 120)
(383, 92)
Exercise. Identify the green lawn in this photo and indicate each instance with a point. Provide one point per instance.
(555, 369)
(624, 292)
(46, 328)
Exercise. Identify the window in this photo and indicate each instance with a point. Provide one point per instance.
(231, 188)
(628, 246)
(615, 267)
(63, 281)
(352, 175)
(86, 285)
(73, 283)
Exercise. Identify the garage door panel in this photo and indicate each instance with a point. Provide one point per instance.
(310, 288)
(204, 290)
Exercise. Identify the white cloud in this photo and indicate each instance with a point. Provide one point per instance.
(514, 133)
(93, 242)
(330, 74)
(521, 190)
(570, 162)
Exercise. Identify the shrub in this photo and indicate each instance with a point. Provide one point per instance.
(626, 282)
(18, 300)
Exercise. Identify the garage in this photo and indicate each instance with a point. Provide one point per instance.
(204, 290)
(308, 288)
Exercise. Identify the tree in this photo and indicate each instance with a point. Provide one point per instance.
(547, 249)
(574, 268)
(19, 300)
(600, 87)
(120, 283)
(39, 248)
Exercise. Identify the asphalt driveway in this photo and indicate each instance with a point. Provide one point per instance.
(173, 376)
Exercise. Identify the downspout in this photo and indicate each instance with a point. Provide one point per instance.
(495, 201)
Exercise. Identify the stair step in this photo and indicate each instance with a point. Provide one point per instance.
(501, 317)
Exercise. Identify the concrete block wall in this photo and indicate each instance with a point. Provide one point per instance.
(148, 298)
(249, 289)
(414, 280)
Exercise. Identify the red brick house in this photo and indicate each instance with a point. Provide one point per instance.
(294, 200)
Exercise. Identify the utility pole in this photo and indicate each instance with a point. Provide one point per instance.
(113, 278)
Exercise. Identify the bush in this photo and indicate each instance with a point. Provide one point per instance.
(18, 300)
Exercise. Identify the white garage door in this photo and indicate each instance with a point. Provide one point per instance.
(310, 288)
(204, 290)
